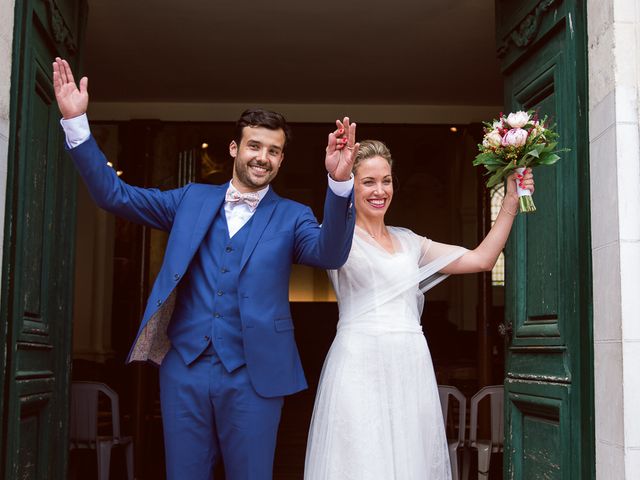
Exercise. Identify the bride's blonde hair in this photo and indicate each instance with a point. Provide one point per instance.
(369, 149)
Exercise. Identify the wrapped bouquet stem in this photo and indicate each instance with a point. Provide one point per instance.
(525, 199)
(516, 142)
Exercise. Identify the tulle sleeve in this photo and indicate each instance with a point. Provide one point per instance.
(430, 251)
(435, 256)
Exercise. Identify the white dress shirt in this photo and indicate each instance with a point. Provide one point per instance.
(77, 131)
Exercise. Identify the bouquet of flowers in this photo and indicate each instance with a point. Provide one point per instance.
(515, 142)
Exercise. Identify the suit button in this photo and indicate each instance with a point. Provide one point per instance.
(223, 270)
(220, 293)
(159, 302)
(228, 249)
(176, 276)
(206, 338)
(217, 315)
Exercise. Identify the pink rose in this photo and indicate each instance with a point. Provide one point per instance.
(516, 137)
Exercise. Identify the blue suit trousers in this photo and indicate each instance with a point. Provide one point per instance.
(209, 414)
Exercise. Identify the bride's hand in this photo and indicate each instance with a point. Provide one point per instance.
(341, 150)
(524, 180)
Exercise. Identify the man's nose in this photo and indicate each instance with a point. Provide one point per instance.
(262, 154)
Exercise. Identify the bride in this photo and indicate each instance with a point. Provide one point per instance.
(377, 413)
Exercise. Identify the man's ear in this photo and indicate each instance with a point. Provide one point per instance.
(233, 149)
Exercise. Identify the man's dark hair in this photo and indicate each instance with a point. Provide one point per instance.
(258, 117)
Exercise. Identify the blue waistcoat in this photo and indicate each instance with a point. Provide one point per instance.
(207, 314)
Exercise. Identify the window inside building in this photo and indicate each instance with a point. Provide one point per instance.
(497, 274)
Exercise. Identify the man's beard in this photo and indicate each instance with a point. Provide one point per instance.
(245, 177)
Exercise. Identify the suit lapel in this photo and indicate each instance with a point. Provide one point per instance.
(260, 221)
(210, 207)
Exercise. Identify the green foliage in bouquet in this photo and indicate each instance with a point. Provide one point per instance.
(517, 140)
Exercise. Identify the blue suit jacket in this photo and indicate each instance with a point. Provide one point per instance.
(282, 232)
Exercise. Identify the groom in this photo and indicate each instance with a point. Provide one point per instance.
(217, 321)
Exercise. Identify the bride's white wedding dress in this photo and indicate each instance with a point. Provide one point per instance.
(377, 413)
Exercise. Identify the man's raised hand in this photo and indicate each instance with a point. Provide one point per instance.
(341, 150)
(72, 101)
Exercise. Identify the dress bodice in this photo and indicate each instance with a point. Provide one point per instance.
(379, 291)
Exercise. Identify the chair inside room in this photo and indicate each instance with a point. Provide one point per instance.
(486, 446)
(455, 440)
(85, 432)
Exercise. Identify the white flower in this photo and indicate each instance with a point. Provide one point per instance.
(492, 139)
(538, 129)
(497, 124)
(516, 137)
(518, 119)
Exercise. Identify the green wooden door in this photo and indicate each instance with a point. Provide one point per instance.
(37, 267)
(549, 375)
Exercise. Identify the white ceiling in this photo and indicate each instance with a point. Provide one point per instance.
(420, 52)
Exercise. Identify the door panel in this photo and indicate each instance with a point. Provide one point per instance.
(37, 263)
(538, 452)
(532, 86)
(548, 396)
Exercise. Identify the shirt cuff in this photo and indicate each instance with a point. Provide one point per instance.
(341, 189)
(76, 130)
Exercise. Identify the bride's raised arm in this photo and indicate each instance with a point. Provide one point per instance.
(484, 256)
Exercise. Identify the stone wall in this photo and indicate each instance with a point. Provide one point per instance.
(6, 41)
(614, 49)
